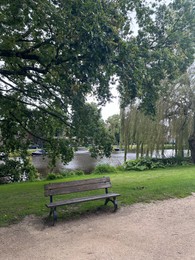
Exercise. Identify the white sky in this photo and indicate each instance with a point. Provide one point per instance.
(111, 108)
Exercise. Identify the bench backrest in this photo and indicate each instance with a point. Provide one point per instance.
(77, 186)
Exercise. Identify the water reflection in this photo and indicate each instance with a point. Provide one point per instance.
(82, 160)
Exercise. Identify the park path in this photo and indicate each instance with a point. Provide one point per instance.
(163, 230)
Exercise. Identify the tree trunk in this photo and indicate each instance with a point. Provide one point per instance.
(125, 152)
(191, 141)
(142, 149)
(137, 150)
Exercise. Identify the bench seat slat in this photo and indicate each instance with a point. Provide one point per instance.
(83, 199)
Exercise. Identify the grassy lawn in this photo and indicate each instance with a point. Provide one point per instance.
(20, 199)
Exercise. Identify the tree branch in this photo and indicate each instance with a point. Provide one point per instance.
(27, 130)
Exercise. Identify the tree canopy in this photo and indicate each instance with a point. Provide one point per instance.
(54, 53)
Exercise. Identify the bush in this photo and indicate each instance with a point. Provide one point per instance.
(30, 173)
(120, 168)
(73, 173)
(78, 172)
(10, 171)
(153, 163)
(104, 168)
(15, 171)
(68, 173)
(139, 164)
(53, 176)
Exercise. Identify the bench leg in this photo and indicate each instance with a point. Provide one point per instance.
(51, 212)
(55, 216)
(54, 213)
(114, 201)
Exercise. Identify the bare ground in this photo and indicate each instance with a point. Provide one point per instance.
(161, 230)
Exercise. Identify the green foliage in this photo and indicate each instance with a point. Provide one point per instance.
(79, 173)
(15, 171)
(120, 168)
(113, 126)
(139, 164)
(11, 170)
(174, 161)
(73, 173)
(54, 176)
(68, 173)
(31, 172)
(92, 131)
(154, 163)
(104, 168)
(160, 28)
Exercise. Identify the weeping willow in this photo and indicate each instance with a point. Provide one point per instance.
(172, 123)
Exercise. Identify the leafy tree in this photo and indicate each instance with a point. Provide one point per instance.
(172, 121)
(54, 53)
(163, 48)
(191, 138)
(178, 111)
(89, 130)
(113, 126)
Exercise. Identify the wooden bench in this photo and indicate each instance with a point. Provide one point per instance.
(53, 189)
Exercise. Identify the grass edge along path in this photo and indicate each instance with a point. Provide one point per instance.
(18, 200)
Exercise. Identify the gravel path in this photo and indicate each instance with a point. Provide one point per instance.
(161, 230)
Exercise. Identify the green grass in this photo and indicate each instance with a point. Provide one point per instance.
(18, 200)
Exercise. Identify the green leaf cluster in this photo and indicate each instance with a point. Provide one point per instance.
(148, 163)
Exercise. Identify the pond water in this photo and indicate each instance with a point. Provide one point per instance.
(83, 161)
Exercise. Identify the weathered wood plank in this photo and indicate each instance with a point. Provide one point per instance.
(77, 186)
(82, 188)
(75, 183)
(83, 199)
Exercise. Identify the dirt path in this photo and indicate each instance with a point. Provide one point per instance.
(160, 231)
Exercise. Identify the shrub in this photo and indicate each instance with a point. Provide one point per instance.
(139, 164)
(104, 168)
(30, 173)
(120, 168)
(79, 172)
(54, 176)
(68, 173)
(10, 171)
(15, 171)
(51, 176)
(153, 163)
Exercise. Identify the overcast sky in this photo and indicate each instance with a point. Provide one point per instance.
(111, 108)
